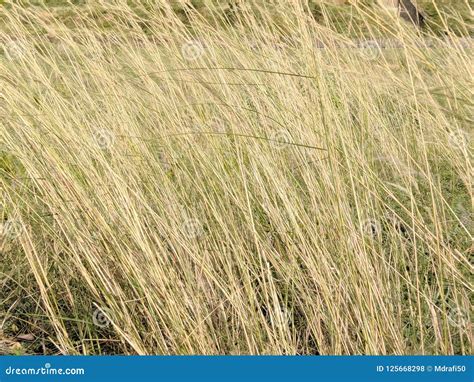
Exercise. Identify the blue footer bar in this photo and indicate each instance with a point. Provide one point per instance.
(237, 368)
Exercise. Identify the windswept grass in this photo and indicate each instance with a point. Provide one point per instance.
(222, 185)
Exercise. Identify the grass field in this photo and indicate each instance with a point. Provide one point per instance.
(253, 180)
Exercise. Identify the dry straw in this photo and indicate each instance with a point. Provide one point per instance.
(183, 192)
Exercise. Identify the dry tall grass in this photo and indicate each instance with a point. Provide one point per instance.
(226, 186)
